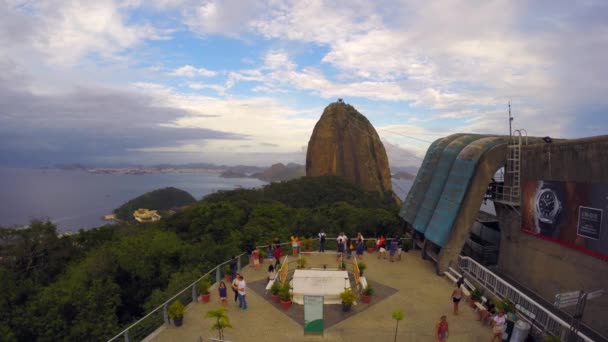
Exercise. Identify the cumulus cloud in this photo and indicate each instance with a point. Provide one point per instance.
(190, 72)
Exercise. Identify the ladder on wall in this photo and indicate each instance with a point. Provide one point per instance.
(511, 194)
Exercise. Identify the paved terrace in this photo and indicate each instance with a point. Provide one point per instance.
(421, 294)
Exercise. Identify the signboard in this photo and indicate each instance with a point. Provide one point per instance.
(313, 314)
(568, 213)
(564, 300)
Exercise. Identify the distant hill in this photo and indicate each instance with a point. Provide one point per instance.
(275, 173)
(161, 199)
(404, 175)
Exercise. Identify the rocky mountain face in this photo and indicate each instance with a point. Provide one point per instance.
(345, 143)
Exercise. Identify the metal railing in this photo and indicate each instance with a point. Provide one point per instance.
(543, 320)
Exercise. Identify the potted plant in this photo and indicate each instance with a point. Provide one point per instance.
(262, 255)
(227, 275)
(285, 296)
(505, 305)
(302, 262)
(370, 246)
(475, 297)
(348, 298)
(362, 267)
(176, 313)
(307, 244)
(366, 294)
(203, 288)
(275, 289)
(221, 321)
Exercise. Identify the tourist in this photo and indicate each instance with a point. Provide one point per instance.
(235, 286)
(277, 254)
(441, 330)
(341, 243)
(242, 285)
(322, 238)
(360, 237)
(381, 241)
(349, 247)
(360, 249)
(485, 316)
(233, 267)
(456, 297)
(460, 281)
(223, 295)
(399, 248)
(392, 249)
(382, 252)
(271, 273)
(294, 245)
(255, 255)
(276, 243)
(498, 326)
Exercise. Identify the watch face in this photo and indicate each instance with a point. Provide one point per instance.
(547, 203)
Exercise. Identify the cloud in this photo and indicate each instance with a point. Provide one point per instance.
(190, 72)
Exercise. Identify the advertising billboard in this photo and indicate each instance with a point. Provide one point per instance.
(569, 213)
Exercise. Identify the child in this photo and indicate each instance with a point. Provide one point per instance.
(441, 330)
(271, 273)
(256, 258)
(223, 294)
(392, 250)
(382, 252)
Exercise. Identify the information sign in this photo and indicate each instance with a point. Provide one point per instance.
(313, 314)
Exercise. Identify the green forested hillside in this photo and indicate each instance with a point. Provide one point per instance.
(161, 199)
(90, 285)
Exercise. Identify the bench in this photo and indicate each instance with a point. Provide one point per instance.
(469, 285)
(270, 283)
(362, 282)
(458, 275)
(450, 276)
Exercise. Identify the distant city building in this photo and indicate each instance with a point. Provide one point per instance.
(145, 215)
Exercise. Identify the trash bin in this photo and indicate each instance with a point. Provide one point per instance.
(521, 330)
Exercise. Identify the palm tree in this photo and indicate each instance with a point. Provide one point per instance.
(397, 316)
(221, 321)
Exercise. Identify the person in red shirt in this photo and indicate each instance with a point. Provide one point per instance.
(441, 330)
(278, 252)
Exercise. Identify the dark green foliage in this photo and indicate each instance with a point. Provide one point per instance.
(91, 285)
(161, 199)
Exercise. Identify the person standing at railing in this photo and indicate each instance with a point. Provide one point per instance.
(255, 255)
(294, 245)
(276, 243)
(277, 254)
(341, 242)
(242, 286)
(322, 238)
(235, 286)
(360, 248)
(349, 248)
(392, 249)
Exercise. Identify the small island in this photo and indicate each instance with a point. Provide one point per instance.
(160, 200)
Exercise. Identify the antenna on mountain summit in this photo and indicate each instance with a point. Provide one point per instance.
(340, 101)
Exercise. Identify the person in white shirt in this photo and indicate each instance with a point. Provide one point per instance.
(322, 237)
(498, 325)
(242, 285)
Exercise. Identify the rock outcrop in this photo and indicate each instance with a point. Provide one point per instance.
(344, 143)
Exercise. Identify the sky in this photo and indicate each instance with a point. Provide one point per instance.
(244, 82)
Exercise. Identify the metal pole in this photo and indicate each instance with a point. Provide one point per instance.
(165, 314)
(194, 296)
(127, 336)
(510, 120)
(217, 275)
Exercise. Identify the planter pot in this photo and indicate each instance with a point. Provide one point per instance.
(370, 250)
(366, 299)
(205, 297)
(275, 297)
(228, 278)
(472, 303)
(285, 304)
(178, 321)
(346, 307)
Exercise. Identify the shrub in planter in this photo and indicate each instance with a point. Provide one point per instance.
(302, 262)
(348, 297)
(262, 254)
(285, 296)
(366, 294)
(475, 297)
(370, 246)
(227, 275)
(362, 267)
(176, 313)
(505, 305)
(203, 288)
(275, 289)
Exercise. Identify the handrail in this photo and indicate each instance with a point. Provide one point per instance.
(556, 318)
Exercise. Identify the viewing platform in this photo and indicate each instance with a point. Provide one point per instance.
(410, 284)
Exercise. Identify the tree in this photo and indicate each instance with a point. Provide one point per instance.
(397, 316)
(221, 321)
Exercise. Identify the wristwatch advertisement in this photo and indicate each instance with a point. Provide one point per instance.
(547, 208)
